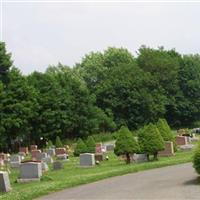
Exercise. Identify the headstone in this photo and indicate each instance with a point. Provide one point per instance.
(99, 156)
(60, 151)
(22, 154)
(40, 156)
(51, 152)
(33, 147)
(139, 158)
(187, 147)
(15, 158)
(44, 166)
(2, 162)
(3, 156)
(47, 160)
(99, 148)
(4, 182)
(30, 171)
(87, 160)
(168, 151)
(34, 153)
(181, 140)
(110, 147)
(58, 165)
(23, 149)
(15, 161)
(62, 156)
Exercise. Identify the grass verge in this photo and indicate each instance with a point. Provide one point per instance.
(73, 175)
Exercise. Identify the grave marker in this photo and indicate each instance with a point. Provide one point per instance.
(4, 182)
(87, 160)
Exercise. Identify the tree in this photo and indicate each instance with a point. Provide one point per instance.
(5, 63)
(196, 159)
(91, 145)
(165, 130)
(126, 144)
(80, 147)
(150, 140)
(19, 108)
(163, 67)
(58, 142)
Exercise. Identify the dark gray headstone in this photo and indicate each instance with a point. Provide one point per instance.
(57, 165)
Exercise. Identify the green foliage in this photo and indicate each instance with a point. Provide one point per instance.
(49, 144)
(80, 147)
(5, 63)
(196, 159)
(150, 140)
(58, 142)
(126, 143)
(91, 145)
(165, 130)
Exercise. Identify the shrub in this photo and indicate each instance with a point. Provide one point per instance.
(196, 159)
(150, 140)
(126, 144)
(91, 145)
(80, 147)
(49, 144)
(58, 142)
(166, 132)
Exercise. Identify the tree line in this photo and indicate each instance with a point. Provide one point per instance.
(103, 92)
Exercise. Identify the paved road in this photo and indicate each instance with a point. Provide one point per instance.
(175, 182)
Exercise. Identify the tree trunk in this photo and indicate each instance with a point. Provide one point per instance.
(155, 156)
(148, 158)
(128, 159)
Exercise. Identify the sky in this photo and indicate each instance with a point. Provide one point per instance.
(43, 33)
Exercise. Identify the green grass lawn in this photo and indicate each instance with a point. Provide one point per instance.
(73, 175)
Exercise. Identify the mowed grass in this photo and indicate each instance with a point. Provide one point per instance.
(73, 175)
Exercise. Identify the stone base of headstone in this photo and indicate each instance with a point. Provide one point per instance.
(87, 160)
(138, 158)
(62, 156)
(4, 182)
(57, 165)
(27, 180)
(187, 147)
(99, 157)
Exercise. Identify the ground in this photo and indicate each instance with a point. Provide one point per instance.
(178, 182)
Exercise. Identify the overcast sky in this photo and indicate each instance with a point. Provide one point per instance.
(42, 34)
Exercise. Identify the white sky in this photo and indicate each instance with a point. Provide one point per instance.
(42, 34)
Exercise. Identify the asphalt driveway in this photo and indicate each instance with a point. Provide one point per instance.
(177, 182)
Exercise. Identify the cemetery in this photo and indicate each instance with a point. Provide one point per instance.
(40, 171)
(64, 127)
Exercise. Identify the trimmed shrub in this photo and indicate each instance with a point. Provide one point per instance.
(196, 159)
(91, 145)
(150, 140)
(126, 144)
(80, 147)
(58, 142)
(49, 144)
